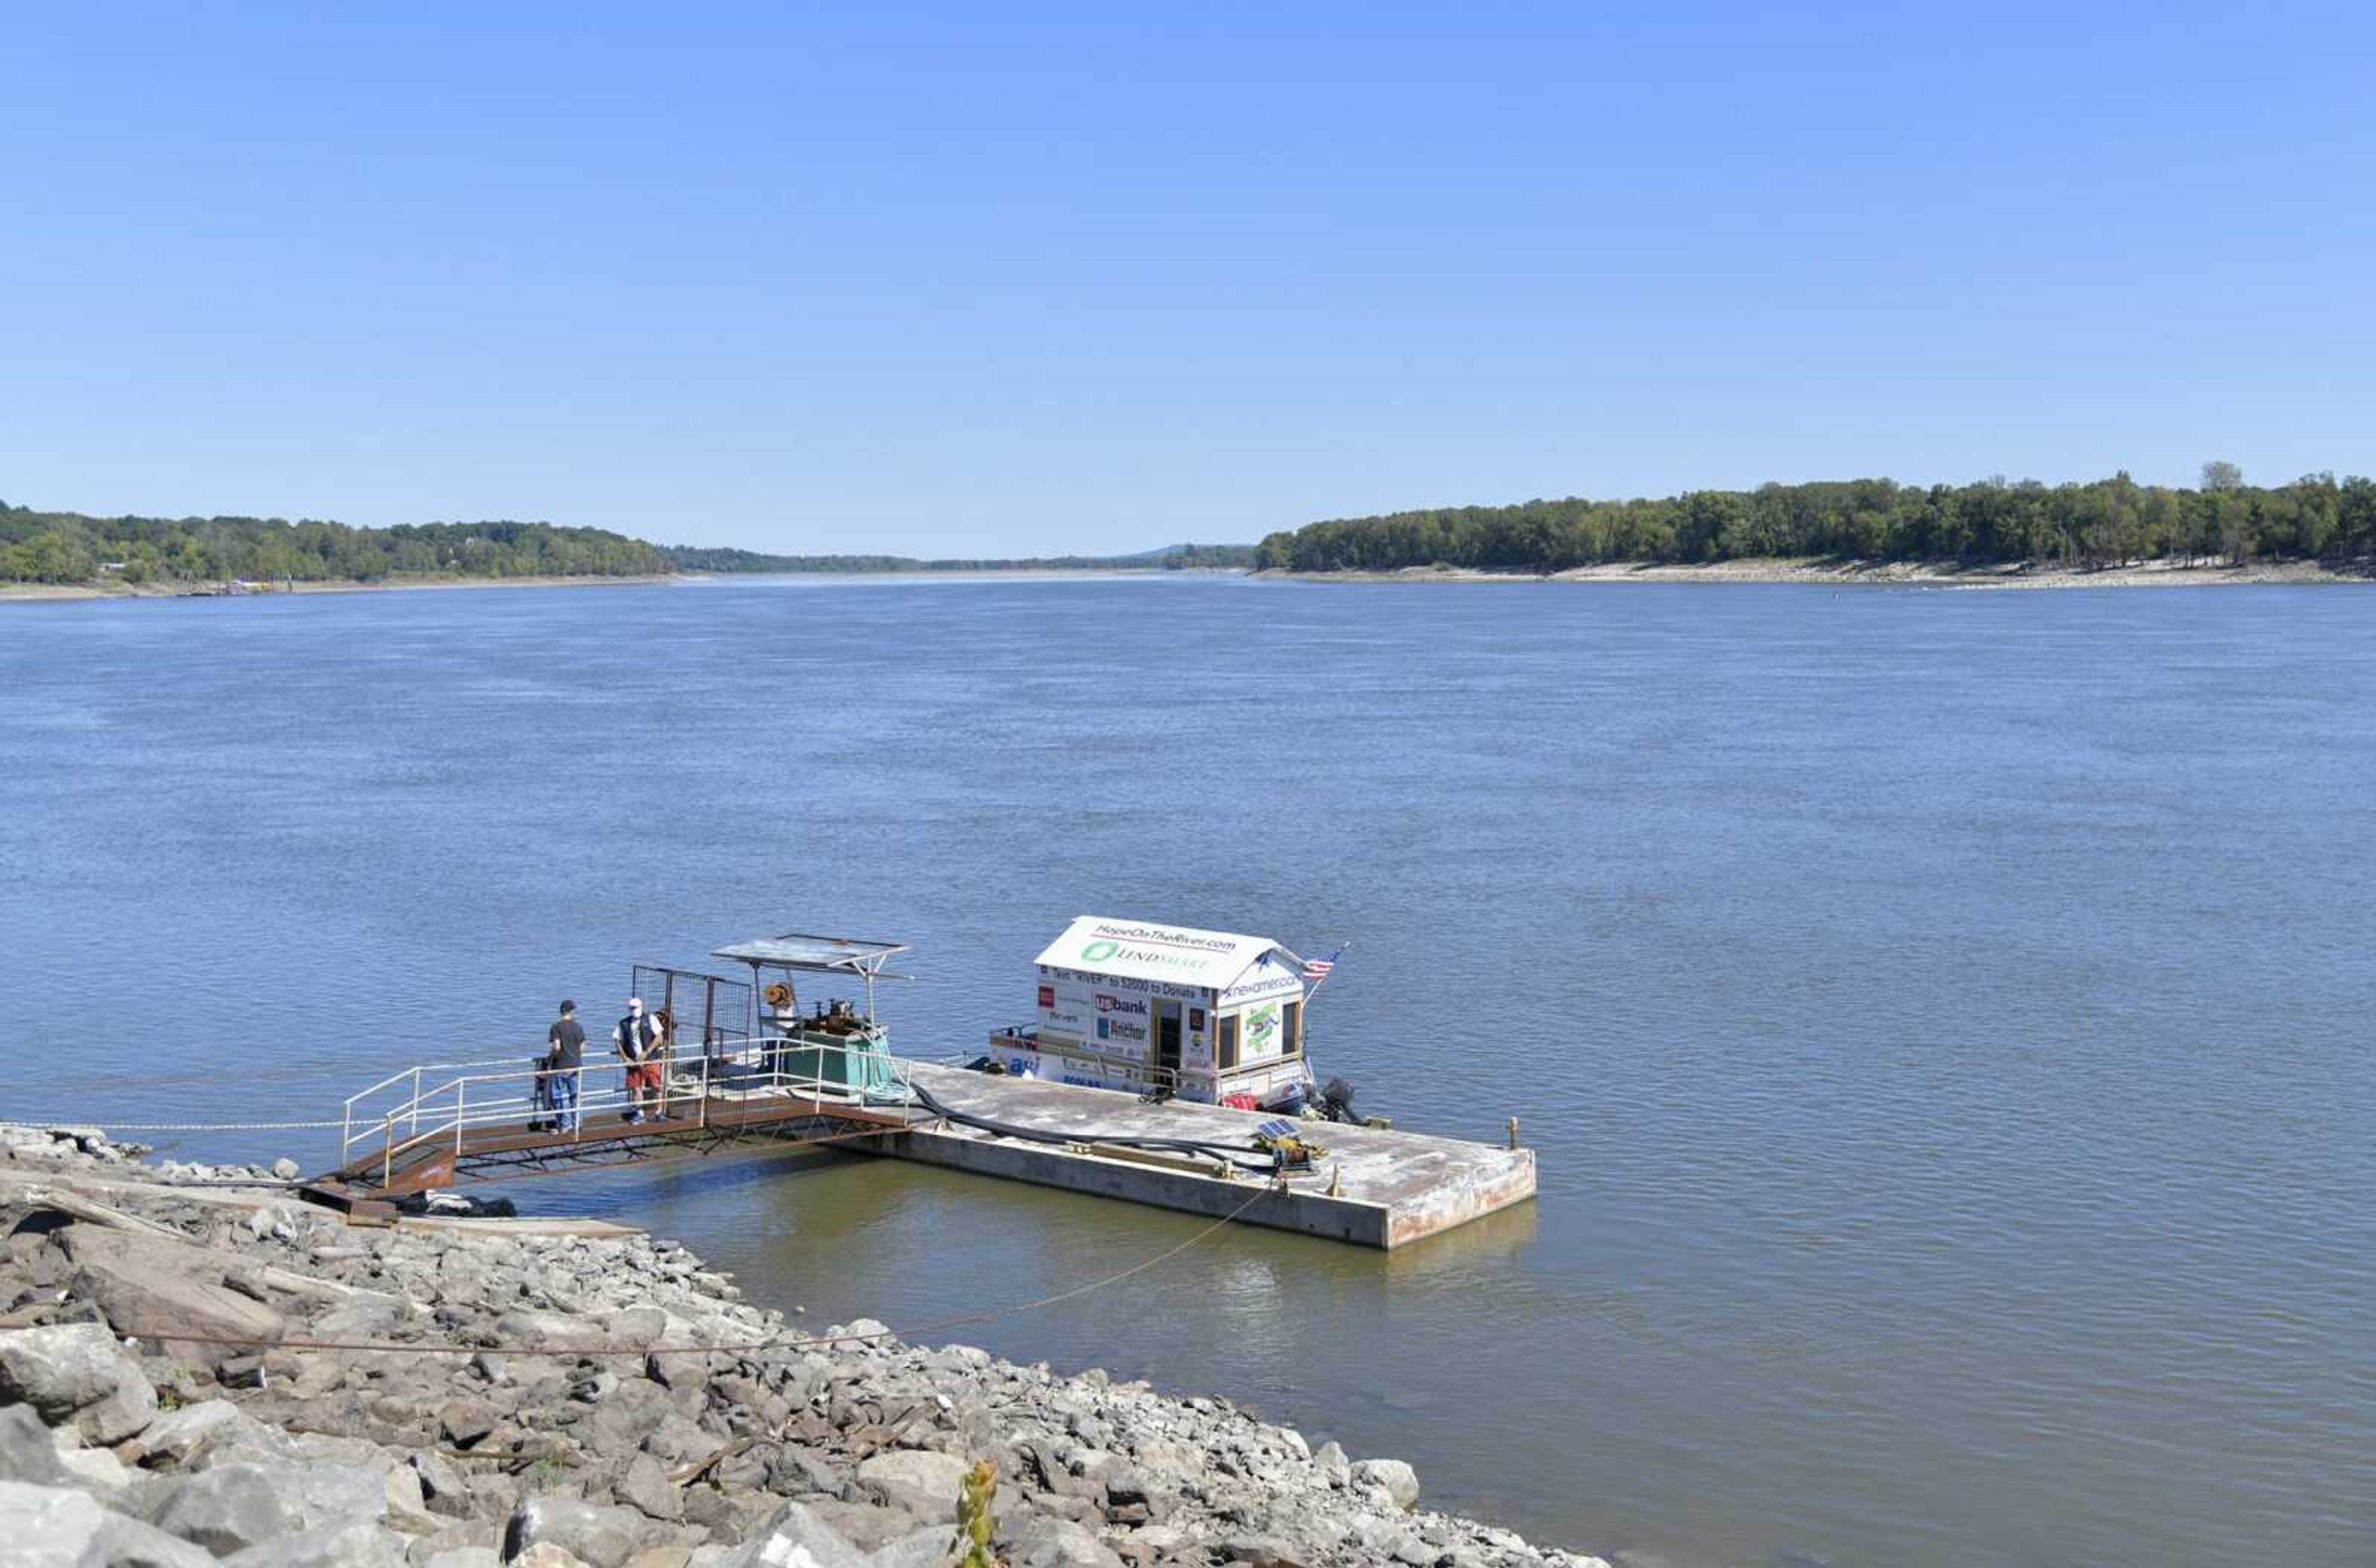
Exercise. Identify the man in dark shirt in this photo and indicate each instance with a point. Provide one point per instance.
(564, 1058)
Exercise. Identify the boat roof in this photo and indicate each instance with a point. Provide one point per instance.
(813, 954)
(1098, 945)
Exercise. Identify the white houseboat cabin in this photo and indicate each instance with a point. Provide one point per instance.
(1209, 1015)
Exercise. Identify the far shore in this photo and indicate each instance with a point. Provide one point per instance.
(41, 593)
(45, 592)
(1885, 574)
(1909, 574)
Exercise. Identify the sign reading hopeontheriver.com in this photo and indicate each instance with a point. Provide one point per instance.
(1137, 950)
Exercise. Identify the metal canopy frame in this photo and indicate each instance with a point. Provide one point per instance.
(798, 952)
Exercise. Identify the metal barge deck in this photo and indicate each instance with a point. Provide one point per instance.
(1375, 1187)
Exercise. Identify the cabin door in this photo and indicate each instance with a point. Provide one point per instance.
(1167, 1043)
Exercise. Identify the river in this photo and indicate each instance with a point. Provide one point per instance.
(1943, 1018)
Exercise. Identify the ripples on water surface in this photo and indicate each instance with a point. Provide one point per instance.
(1944, 1017)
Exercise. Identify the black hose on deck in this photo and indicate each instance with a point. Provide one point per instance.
(1245, 1157)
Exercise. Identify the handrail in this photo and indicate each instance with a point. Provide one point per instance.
(402, 1074)
(770, 1065)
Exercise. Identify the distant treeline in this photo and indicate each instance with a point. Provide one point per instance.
(2099, 524)
(68, 547)
(1177, 557)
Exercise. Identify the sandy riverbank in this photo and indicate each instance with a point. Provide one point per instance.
(193, 1371)
(1889, 574)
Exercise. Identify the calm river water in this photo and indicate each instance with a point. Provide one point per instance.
(1944, 1017)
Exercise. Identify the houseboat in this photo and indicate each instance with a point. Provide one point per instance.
(1211, 1016)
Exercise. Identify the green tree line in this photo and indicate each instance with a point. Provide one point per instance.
(68, 547)
(2103, 523)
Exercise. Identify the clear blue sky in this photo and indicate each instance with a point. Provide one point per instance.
(997, 278)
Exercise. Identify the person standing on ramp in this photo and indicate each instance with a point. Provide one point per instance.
(564, 1059)
(637, 1039)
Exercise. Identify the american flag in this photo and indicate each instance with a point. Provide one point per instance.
(1316, 970)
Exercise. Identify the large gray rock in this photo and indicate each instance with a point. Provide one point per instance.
(77, 1373)
(128, 1543)
(1398, 1479)
(56, 1528)
(627, 1415)
(227, 1509)
(544, 1554)
(638, 1325)
(680, 1442)
(27, 1452)
(1043, 1541)
(443, 1490)
(49, 1527)
(154, 1287)
(97, 1470)
(359, 1317)
(645, 1486)
(867, 1526)
(181, 1435)
(1269, 1551)
(359, 1545)
(466, 1421)
(605, 1535)
(464, 1557)
(330, 1493)
(795, 1538)
(924, 1483)
(934, 1548)
(532, 1328)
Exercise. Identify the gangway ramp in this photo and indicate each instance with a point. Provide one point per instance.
(440, 1124)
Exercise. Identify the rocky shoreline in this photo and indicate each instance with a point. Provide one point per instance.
(187, 1375)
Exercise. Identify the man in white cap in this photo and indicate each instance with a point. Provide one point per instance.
(638, 1041)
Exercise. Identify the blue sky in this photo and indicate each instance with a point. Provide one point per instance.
(994, 279)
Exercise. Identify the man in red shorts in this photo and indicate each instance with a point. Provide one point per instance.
(638, 1039)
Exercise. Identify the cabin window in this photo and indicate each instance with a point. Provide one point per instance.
(1290, 1030)
(1228, 1048)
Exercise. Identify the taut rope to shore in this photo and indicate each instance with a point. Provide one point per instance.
(794, 1343)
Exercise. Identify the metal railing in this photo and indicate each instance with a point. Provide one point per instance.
(419, 1107)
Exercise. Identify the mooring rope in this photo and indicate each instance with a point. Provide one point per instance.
(72, 1124)
(793, 1343)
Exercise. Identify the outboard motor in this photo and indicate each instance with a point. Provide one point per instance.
(1336, 1101)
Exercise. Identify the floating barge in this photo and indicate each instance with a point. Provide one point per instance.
(1374, 1187)
(1164, 1067)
